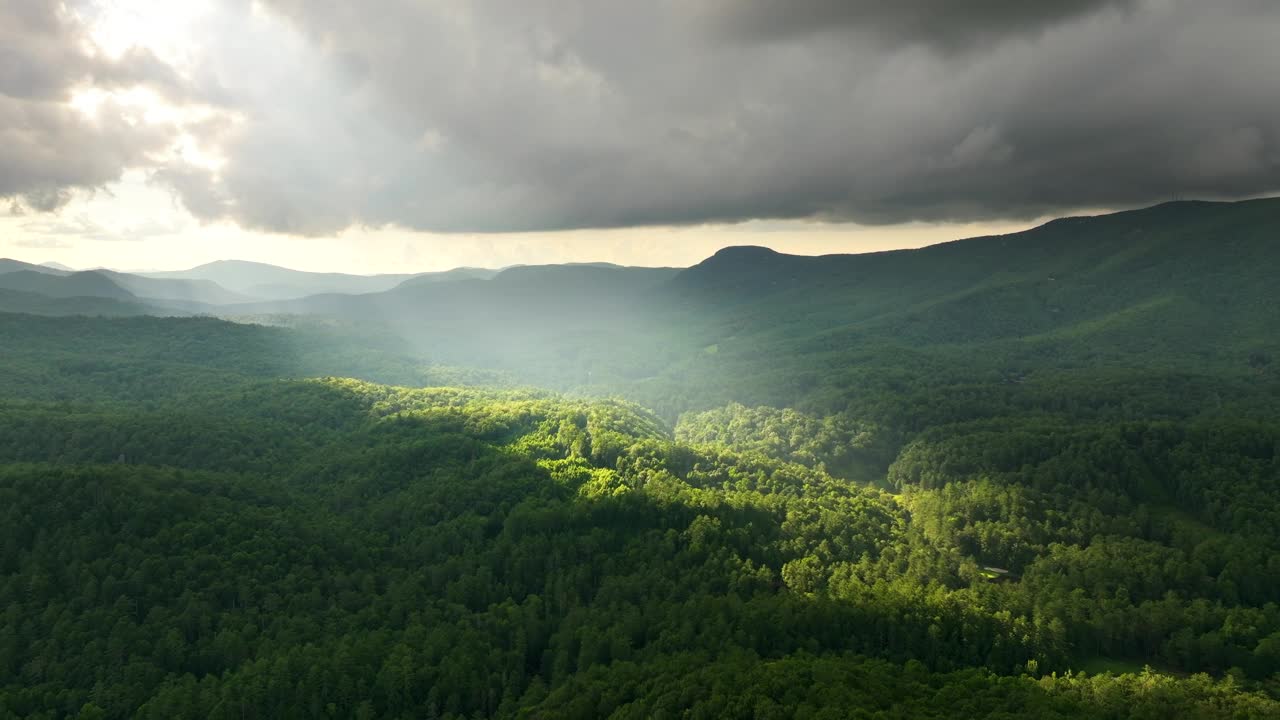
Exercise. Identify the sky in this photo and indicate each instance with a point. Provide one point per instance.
(403, 135)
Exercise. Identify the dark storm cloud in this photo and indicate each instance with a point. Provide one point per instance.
(49, 148)
(551, 114)
(942, 24)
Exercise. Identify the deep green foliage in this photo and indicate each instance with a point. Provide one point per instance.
(337, 548)
(905, 485)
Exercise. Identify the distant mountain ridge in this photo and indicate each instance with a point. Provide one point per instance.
(8, 265)
(30, 303)
(271, 282)
(1158, 280)
(1218, 252)
(185, 290)
(80, 284)
(1181, 283)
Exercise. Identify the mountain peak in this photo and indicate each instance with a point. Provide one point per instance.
(743, 252)
(741, 258)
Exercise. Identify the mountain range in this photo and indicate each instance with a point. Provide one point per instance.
(200, 290)
(1182, 283)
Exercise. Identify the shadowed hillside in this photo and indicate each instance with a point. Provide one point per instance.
(81, 284)
(1182, 286)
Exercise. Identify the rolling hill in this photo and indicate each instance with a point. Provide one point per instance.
(8, 265)
(1061, 275)
(17, 301)
(270, 282)
(1182, 285)
(81, 284)
(186, 290)
(210, 527)
(165, 294)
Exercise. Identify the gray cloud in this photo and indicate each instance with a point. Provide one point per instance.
(552, 114)
(198, 189)
(938, 23)
(49, 148)
(45, 51)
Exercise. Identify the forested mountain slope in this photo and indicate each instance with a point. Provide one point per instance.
(1181, 291)
(8, 265)
(120, 293)
(1185, 287)
(81, 284)
(142, 358)
(187, 290)
(936, 483)
(18, 301)
(1179, 269)
(254, 280)
(336, 548)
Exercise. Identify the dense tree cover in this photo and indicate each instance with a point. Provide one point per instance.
(153, 359)
(837, 443)
(339, 548)
(1159, 538)
(900, 485)
(805, 686)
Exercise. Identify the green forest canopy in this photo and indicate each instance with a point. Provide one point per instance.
(213, 519)
(264, 547)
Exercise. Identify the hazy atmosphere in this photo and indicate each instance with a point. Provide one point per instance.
(421, 136)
